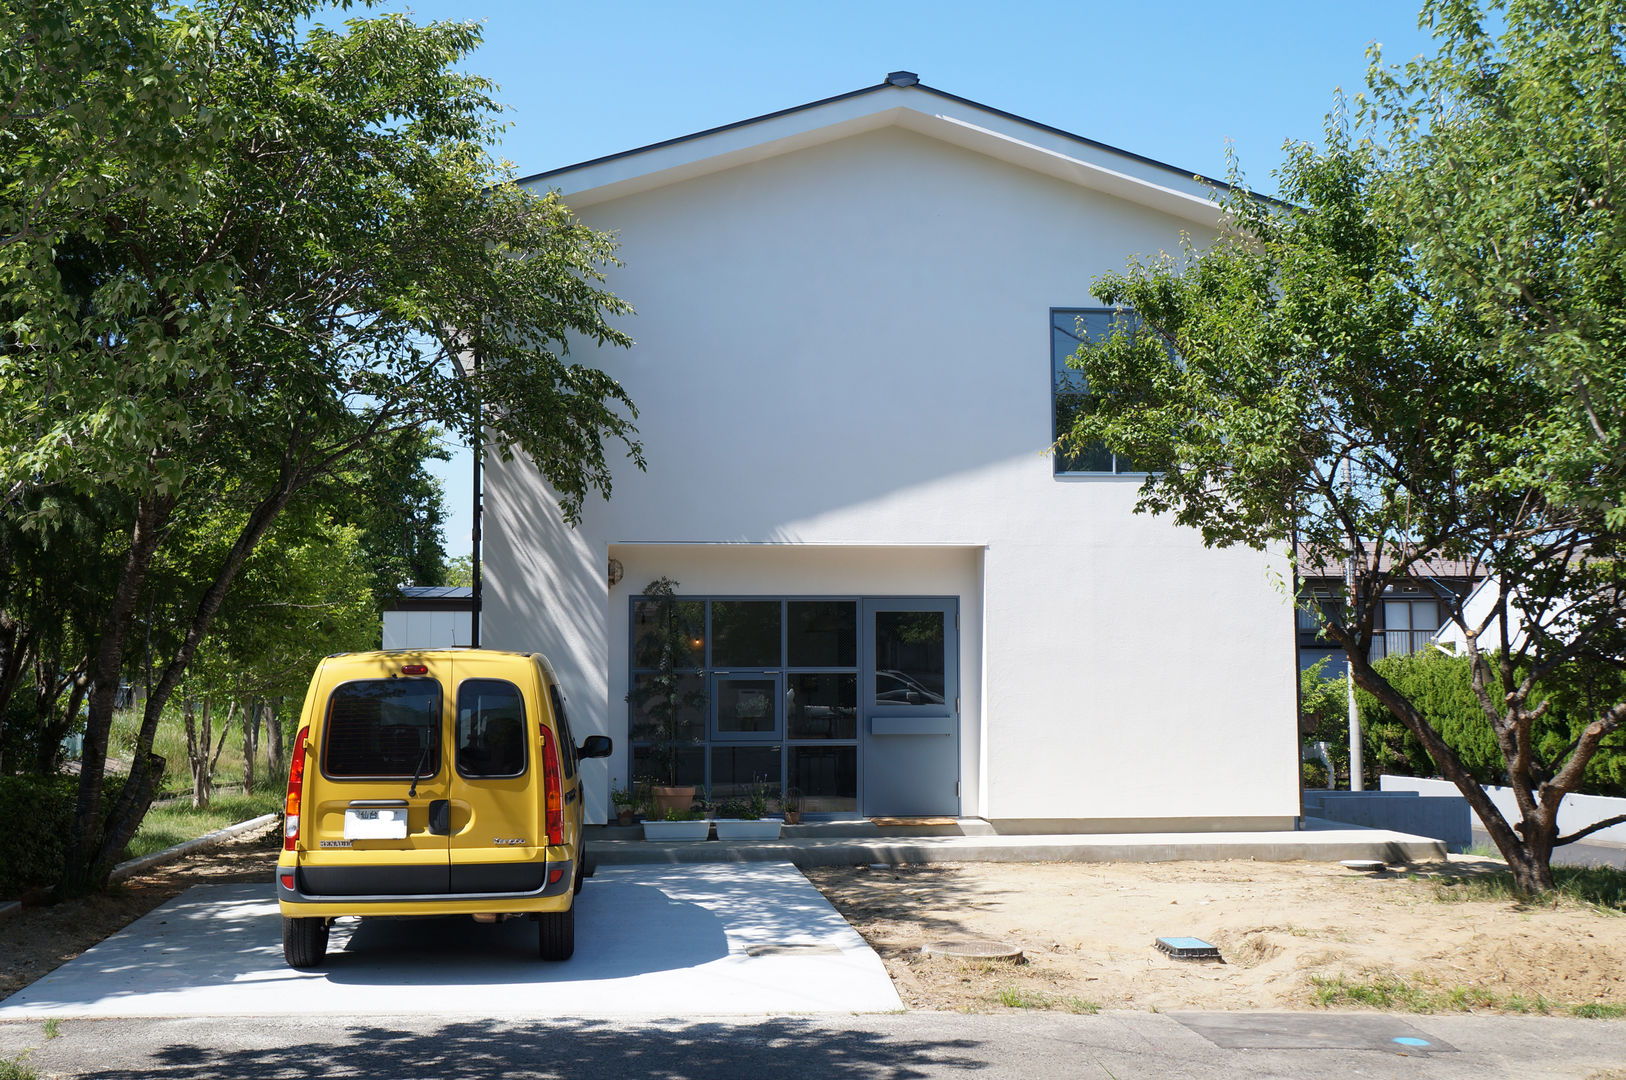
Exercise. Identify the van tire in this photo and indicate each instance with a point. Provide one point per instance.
(304, 942)
(556, 934)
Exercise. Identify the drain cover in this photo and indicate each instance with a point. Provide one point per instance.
(971, 949)
(1187, 948)
(1368, 866)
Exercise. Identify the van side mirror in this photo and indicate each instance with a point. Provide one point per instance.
(595, 746)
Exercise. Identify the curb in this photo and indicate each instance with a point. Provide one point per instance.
(158, 858)
(10, 908)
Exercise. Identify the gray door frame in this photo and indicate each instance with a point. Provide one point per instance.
(909, 751)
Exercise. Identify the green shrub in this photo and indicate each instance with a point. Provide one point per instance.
(1440, 686)
(37, 812)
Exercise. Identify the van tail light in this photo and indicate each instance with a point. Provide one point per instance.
(296, 785)
(554, 799)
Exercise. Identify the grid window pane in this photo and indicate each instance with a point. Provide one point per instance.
(691, 717)
(822, 633)
(691, 765)
(735, 770)
(649, 635)
(745, 633)
(747, 706)
(822, 706)
(827, 777)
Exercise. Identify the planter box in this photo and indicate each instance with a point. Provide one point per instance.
(747, 829)
(676, 830)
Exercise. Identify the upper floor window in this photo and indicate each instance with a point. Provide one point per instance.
(1069, 328)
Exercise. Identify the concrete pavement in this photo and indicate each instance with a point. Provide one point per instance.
(650, 941)
(917, 1046)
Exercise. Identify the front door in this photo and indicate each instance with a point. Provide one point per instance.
(909, 699)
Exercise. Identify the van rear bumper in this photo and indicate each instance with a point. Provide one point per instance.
(381, 890)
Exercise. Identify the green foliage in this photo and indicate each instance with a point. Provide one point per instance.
(37, 810)
(668, 644)
(251, 264)
(17, 1068)
(1375, 376)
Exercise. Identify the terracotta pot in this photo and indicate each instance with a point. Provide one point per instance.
(671, 798)
(793, 817)
(624, 816)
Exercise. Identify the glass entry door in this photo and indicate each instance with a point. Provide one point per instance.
(909, 697)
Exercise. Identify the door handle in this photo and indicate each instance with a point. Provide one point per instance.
(440, 817)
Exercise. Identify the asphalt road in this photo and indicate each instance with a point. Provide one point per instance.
(1110, 1046)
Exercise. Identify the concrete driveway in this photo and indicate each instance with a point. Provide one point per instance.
(651, 941)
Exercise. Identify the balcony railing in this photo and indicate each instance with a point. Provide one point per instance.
(1399, 642)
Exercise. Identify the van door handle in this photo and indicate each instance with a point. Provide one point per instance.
(570, 796)
(440, 817)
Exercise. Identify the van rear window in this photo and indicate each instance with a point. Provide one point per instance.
(490, 728)
(383, 728)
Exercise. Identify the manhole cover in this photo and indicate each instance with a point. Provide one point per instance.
(971, 949)
(1366, 866)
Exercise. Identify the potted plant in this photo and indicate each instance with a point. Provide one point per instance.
(663, 696)
(625, 800)
(746, 818)
(790, 802)
(677, 825)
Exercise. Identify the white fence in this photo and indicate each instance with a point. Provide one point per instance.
(1575, 812)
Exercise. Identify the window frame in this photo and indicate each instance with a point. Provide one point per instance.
(1057, 365)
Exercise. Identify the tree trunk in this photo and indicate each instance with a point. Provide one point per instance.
(124, 818)
(197, 751)
(251, 727)
(273, 743)
(82, 861)
(1529, 856)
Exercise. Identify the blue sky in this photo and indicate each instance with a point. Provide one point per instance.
(1174, 81)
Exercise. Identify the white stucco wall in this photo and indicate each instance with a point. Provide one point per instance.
(843, 367)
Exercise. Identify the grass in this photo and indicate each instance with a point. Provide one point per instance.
(1599, 887)
(169, 743)
(1017, 998)
(175, 823)
(51, 1027)
(1393, 993)
(17, 1069)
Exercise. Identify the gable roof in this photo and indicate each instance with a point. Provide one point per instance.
(900, 101)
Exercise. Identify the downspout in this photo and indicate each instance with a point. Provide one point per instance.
(478, 446)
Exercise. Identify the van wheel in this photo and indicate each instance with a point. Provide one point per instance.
(304, 942)
(556, 934)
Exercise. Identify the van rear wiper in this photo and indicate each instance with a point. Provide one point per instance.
(423, 759)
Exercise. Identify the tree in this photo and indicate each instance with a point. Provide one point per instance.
(288, 266)
(1312, 382)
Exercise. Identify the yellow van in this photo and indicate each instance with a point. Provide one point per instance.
(433, 782)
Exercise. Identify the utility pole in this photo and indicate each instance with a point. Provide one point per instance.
(1356, 765)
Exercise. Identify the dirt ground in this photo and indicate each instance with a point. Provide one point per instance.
(41, 938)
(1086, 931)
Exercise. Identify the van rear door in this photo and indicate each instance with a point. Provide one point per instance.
(378, 826)
(498, 834)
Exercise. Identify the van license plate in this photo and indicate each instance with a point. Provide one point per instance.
(372, 824)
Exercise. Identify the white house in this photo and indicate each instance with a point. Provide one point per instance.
(849, 318)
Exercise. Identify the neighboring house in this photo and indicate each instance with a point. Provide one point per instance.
(1409, 618)
(430, 617)
(852, 317)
